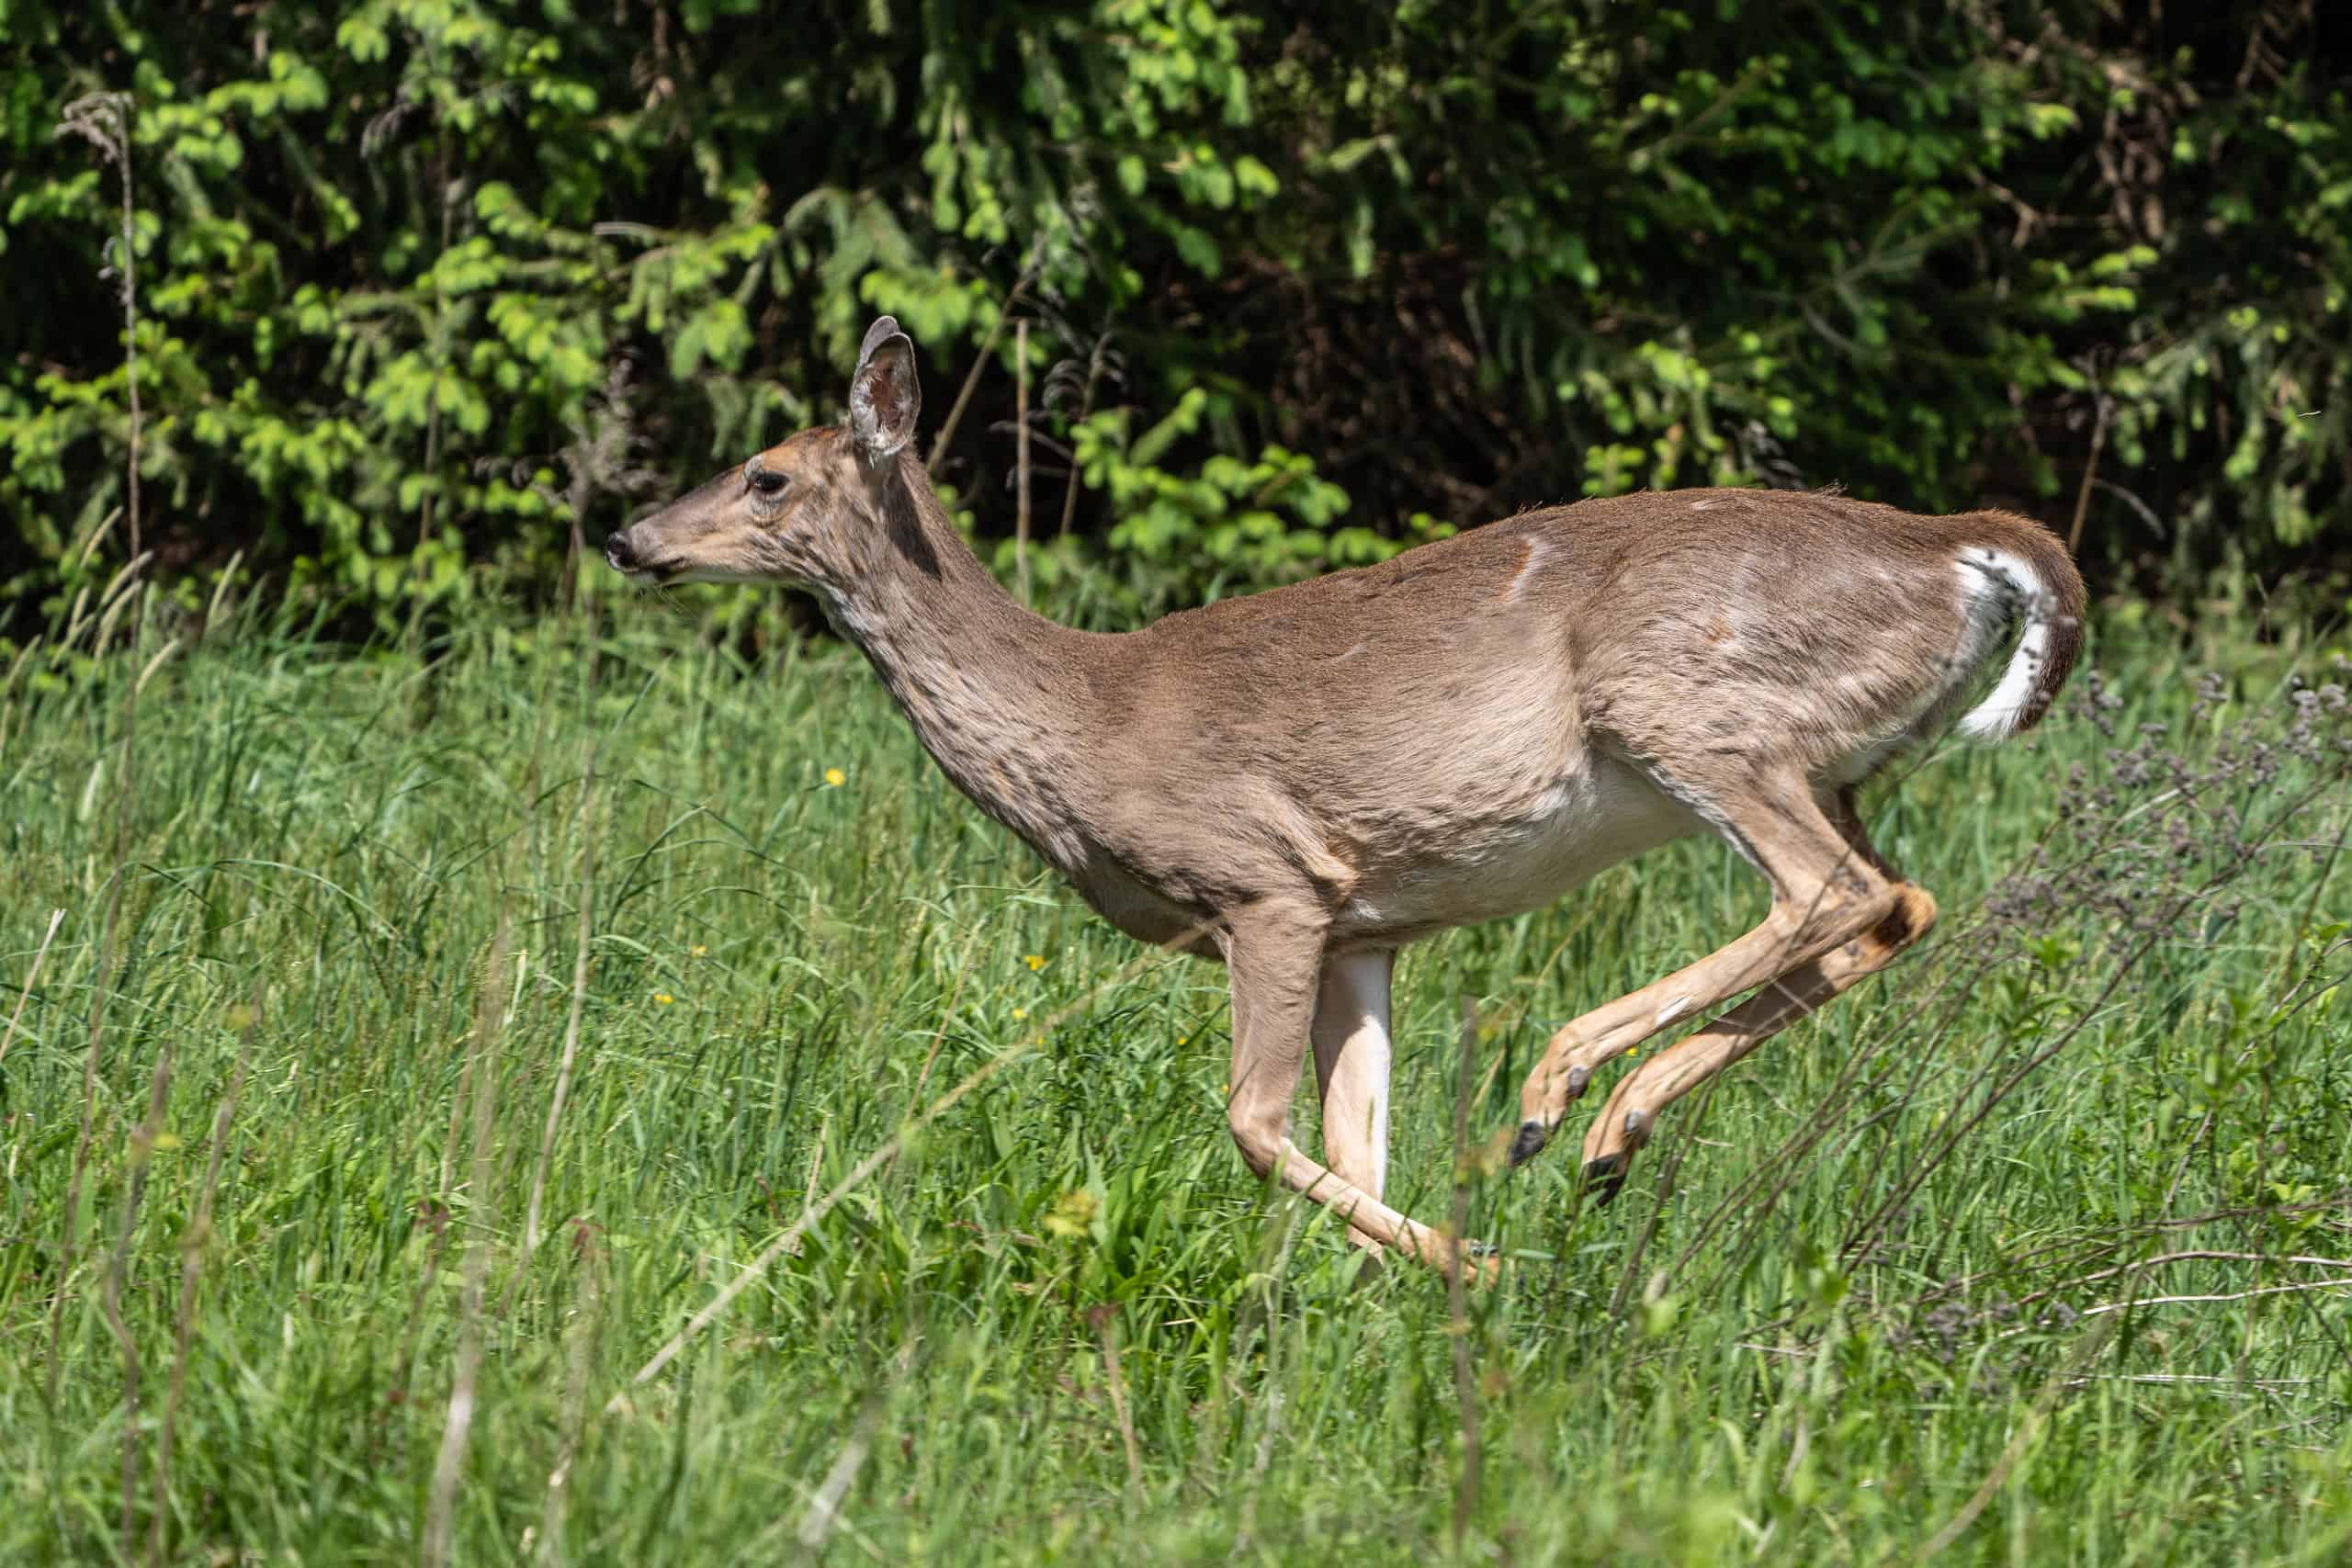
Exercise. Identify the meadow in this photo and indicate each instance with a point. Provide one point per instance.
(586, 1090)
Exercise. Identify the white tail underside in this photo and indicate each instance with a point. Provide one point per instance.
(1998, 586)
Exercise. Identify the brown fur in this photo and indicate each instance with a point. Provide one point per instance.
(1463, 732)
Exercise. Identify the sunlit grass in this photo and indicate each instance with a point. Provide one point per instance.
(802, 938)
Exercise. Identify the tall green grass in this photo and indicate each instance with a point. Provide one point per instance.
(2020, 1255)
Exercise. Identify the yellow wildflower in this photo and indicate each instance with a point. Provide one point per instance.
(1072, 1215)
(698, 950)
(664, 997)
(1021, 1012)
(1035, 961)
(835, 778)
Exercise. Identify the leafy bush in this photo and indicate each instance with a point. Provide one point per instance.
(445, 285)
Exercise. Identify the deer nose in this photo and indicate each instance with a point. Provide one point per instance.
(620, 551)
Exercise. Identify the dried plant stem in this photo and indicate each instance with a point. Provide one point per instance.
(2299, 1288)
(2177, 1380)
(17, 667)
(1021, 453)
(825, 1503)
(449, 192)
(579, 1361)
(458, 1427)
(1116, 1382)
(1085, 410)
(104, 120)
(1029, 272)
(2090, 471)
(9, 1035)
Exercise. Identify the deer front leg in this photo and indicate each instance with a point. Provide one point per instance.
(1351, 1058)
(1273, 953)
(1633, 1111)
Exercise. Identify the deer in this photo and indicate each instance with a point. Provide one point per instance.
(1298, 782)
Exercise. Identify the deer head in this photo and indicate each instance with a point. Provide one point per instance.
(810, 511)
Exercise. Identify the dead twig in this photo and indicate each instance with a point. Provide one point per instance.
(2090, 471)
(1029, 271)
(1020, 454)
(1101, 1318)
(2106, 1307)
(579, 1361)
(8, 1036)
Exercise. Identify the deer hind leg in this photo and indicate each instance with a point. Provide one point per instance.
(1274, 955)
(1352, 1056)
(1626, 1122)
(1826, 893)
(1631, 1113)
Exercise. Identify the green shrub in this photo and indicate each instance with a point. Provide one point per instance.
(433, 292)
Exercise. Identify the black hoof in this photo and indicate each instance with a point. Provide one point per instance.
(1479, 1250)
(1606, 1175)
(1533, 1136)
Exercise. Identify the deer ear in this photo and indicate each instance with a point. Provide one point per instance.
(884, 328)
(884, 397)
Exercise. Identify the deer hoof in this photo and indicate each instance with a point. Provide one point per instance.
(1533, 1136)
(1606, 1175)
(1479, 1262)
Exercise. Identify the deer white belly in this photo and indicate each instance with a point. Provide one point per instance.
(1519, 854)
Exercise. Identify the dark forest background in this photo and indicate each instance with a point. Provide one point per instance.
(429, 294)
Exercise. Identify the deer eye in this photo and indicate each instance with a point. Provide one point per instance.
(770, 482)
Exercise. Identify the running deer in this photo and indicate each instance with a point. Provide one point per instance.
(1300, 782)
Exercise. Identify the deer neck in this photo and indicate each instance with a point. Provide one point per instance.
(1001, 698)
